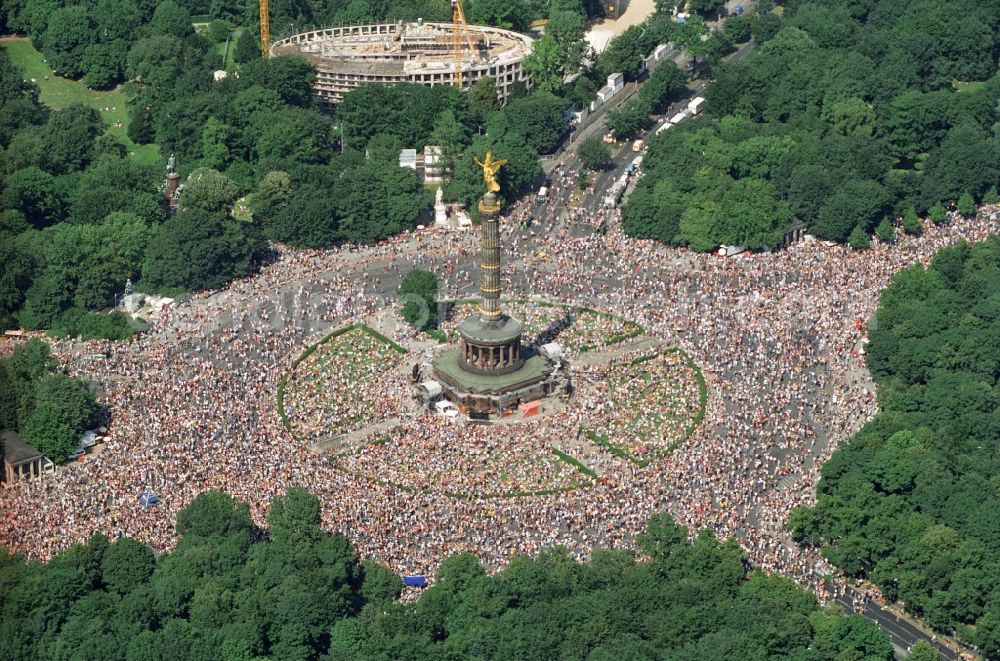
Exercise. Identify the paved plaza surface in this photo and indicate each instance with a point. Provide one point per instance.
(776, 336)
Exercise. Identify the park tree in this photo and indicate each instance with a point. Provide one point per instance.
(63, 407)
(384, 147)
(539, 119)
(752, 216)
(937, 213)
(273, 194)
(449, 134)
(856, 204)
(482, 98)
(218, 31)
(911, 222)
(17, 267)
(885, 231)
(212, 517)
(294, 519)
(376, 200)
(155, 62)
(141, 129)
(197, 250)
(966, 161)
(559, 52)
(215, 139)
(419, 292)
(664, 85)
(697, 226)
(624, 54)
(113, 184)
(709, 8)
(169, 18)
(209, 190)
(125, 565)
(966, 205)
(292, 136)
(68, 138)
(858, 238)
(654, 213)
(809, 187)
(69, 32)
(291, 76)
(247, 47)
(626, 122)
(507, 14)
(19, 104)
(117, 20)
(690, 36)
(103, 64)
(545, 64)
(765, 27)
(594, 154)
(309, 220)
(35, 194)
(922, 651)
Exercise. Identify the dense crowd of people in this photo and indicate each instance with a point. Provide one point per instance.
(348, 382)
(777, 335)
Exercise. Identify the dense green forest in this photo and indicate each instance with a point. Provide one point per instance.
(79, 217)
(47, 408)
(846, 114)
(913, 500)
(230, 591)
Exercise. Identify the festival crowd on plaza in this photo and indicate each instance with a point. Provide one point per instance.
(777, 335)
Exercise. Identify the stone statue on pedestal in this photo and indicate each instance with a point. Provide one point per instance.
(440, 212)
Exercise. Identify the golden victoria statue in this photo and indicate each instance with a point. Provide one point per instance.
(490, 169)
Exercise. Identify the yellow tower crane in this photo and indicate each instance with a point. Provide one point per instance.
(460, 32)
(265, 30)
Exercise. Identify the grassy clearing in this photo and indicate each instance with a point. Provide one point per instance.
(961, 86)
(57, 92)
(575, 463)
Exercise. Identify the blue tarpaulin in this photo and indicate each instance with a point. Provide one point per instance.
(414, 581)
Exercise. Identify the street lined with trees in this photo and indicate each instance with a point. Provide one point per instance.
(838, 119)
(911, 502)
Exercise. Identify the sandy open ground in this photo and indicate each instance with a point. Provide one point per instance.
(603, 31)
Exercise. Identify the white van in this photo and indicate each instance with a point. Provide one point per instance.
(445, 408)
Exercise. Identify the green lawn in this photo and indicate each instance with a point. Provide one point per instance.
(966, 86)
(220, 48)
(57, 92)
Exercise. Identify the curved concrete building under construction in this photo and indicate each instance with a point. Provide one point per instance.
(349, 56)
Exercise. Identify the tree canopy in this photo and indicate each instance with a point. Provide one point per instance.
(419, 291)
(850, 116)
(911, 502)
(296, 592)
(49, 409)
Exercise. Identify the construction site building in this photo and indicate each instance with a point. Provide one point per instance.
(349, 56)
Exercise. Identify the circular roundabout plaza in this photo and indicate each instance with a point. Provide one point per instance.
(712, 389)
(351, 396)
